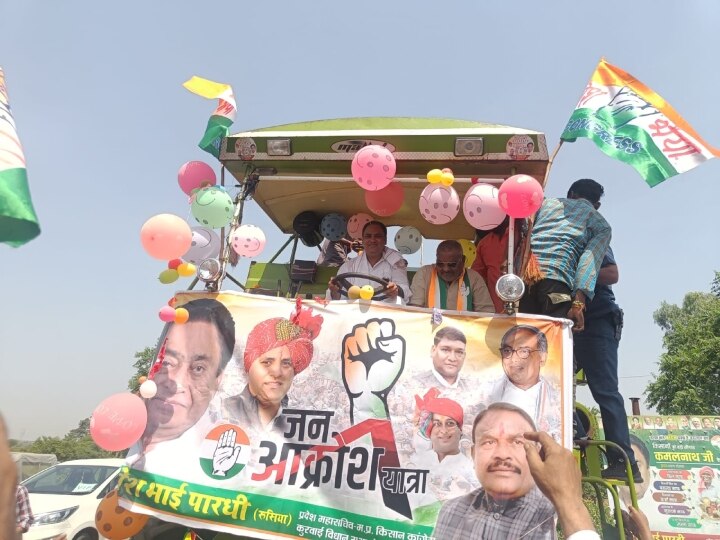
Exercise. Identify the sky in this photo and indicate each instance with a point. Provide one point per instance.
(96, 93)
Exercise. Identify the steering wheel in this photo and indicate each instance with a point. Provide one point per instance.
(342, 279)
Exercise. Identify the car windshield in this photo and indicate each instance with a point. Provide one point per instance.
(69, 479)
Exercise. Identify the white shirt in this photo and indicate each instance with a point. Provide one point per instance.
(391, 266)
(525, 399)
(176, 458)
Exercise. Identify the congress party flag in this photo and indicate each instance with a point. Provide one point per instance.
(630, 122)
(222, 118)
(18, 222)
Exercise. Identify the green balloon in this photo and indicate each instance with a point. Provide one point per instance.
(168, 276)
(212, 207)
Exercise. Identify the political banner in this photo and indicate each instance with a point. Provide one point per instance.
(351, 419)
(679, 458)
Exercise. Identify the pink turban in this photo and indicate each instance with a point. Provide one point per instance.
(297, 334)
(707, 470)
(446, 407)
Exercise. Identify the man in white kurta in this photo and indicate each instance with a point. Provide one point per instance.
(376, 260)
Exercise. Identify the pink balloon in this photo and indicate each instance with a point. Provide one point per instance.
(373, 167)
(386, 201)
(356, 223)
(439, 204)
(166, 236)
(520, 196)
(167, 314)
(481, 207)
(248, 240)
(118, 422)
(194, 175)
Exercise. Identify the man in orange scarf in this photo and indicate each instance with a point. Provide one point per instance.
(447, 284)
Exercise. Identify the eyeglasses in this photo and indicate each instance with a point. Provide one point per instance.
(449, 265)
(522, 352)
(448, 425)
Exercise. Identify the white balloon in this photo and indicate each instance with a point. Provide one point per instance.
(148, 389)
(408, 240)
(205, 245)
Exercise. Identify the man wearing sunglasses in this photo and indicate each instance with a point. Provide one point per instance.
(451, 472)
(524, 350)
(447, 284)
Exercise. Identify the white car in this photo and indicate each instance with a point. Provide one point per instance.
(65, 497)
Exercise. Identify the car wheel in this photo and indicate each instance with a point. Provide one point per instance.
(86, 535)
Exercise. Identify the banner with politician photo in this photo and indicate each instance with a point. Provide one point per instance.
(349, 419)
(679, 457)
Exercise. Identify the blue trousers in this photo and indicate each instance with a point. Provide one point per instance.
(596, 352)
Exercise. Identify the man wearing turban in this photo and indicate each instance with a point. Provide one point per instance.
(451, 472)
(276, 350)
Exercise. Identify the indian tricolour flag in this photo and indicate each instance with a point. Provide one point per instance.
(630, 122)
(222, 118)
(18, 222)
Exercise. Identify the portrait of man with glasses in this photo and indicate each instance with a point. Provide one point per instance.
(524, 351)
(447, 284)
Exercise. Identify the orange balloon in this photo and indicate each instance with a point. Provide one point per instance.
(181, 315)
(142, 379)
(116, 523)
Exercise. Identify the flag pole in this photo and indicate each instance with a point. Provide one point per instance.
(550, 162)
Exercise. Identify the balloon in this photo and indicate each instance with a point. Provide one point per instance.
(469, 251)
(447, 177)
(353, 292)
(168, 276)
(205, 245)
(248, 240)
(439, 204)
(434, 176)
(141, 379)
(194, 175)
(114, 522)
(173, 265)
(165, 236)
(333, 226)
(386, 201)
(167, 314)
(213, 207)
(181, 315)
(367, 292)
(481, 207)
(186, 269)
(520, 196)
(148, 389)
(408, 240)
(373, 167)
(356, 223)
(118, 422)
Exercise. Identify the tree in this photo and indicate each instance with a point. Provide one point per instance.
(143, 361)
(689, 375)
(83, 430)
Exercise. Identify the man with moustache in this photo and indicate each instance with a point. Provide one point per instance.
(376, 260)
(450, 471)
(447, 284)
(509, 504)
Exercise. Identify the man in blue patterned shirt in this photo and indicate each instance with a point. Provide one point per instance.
(569, 240)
